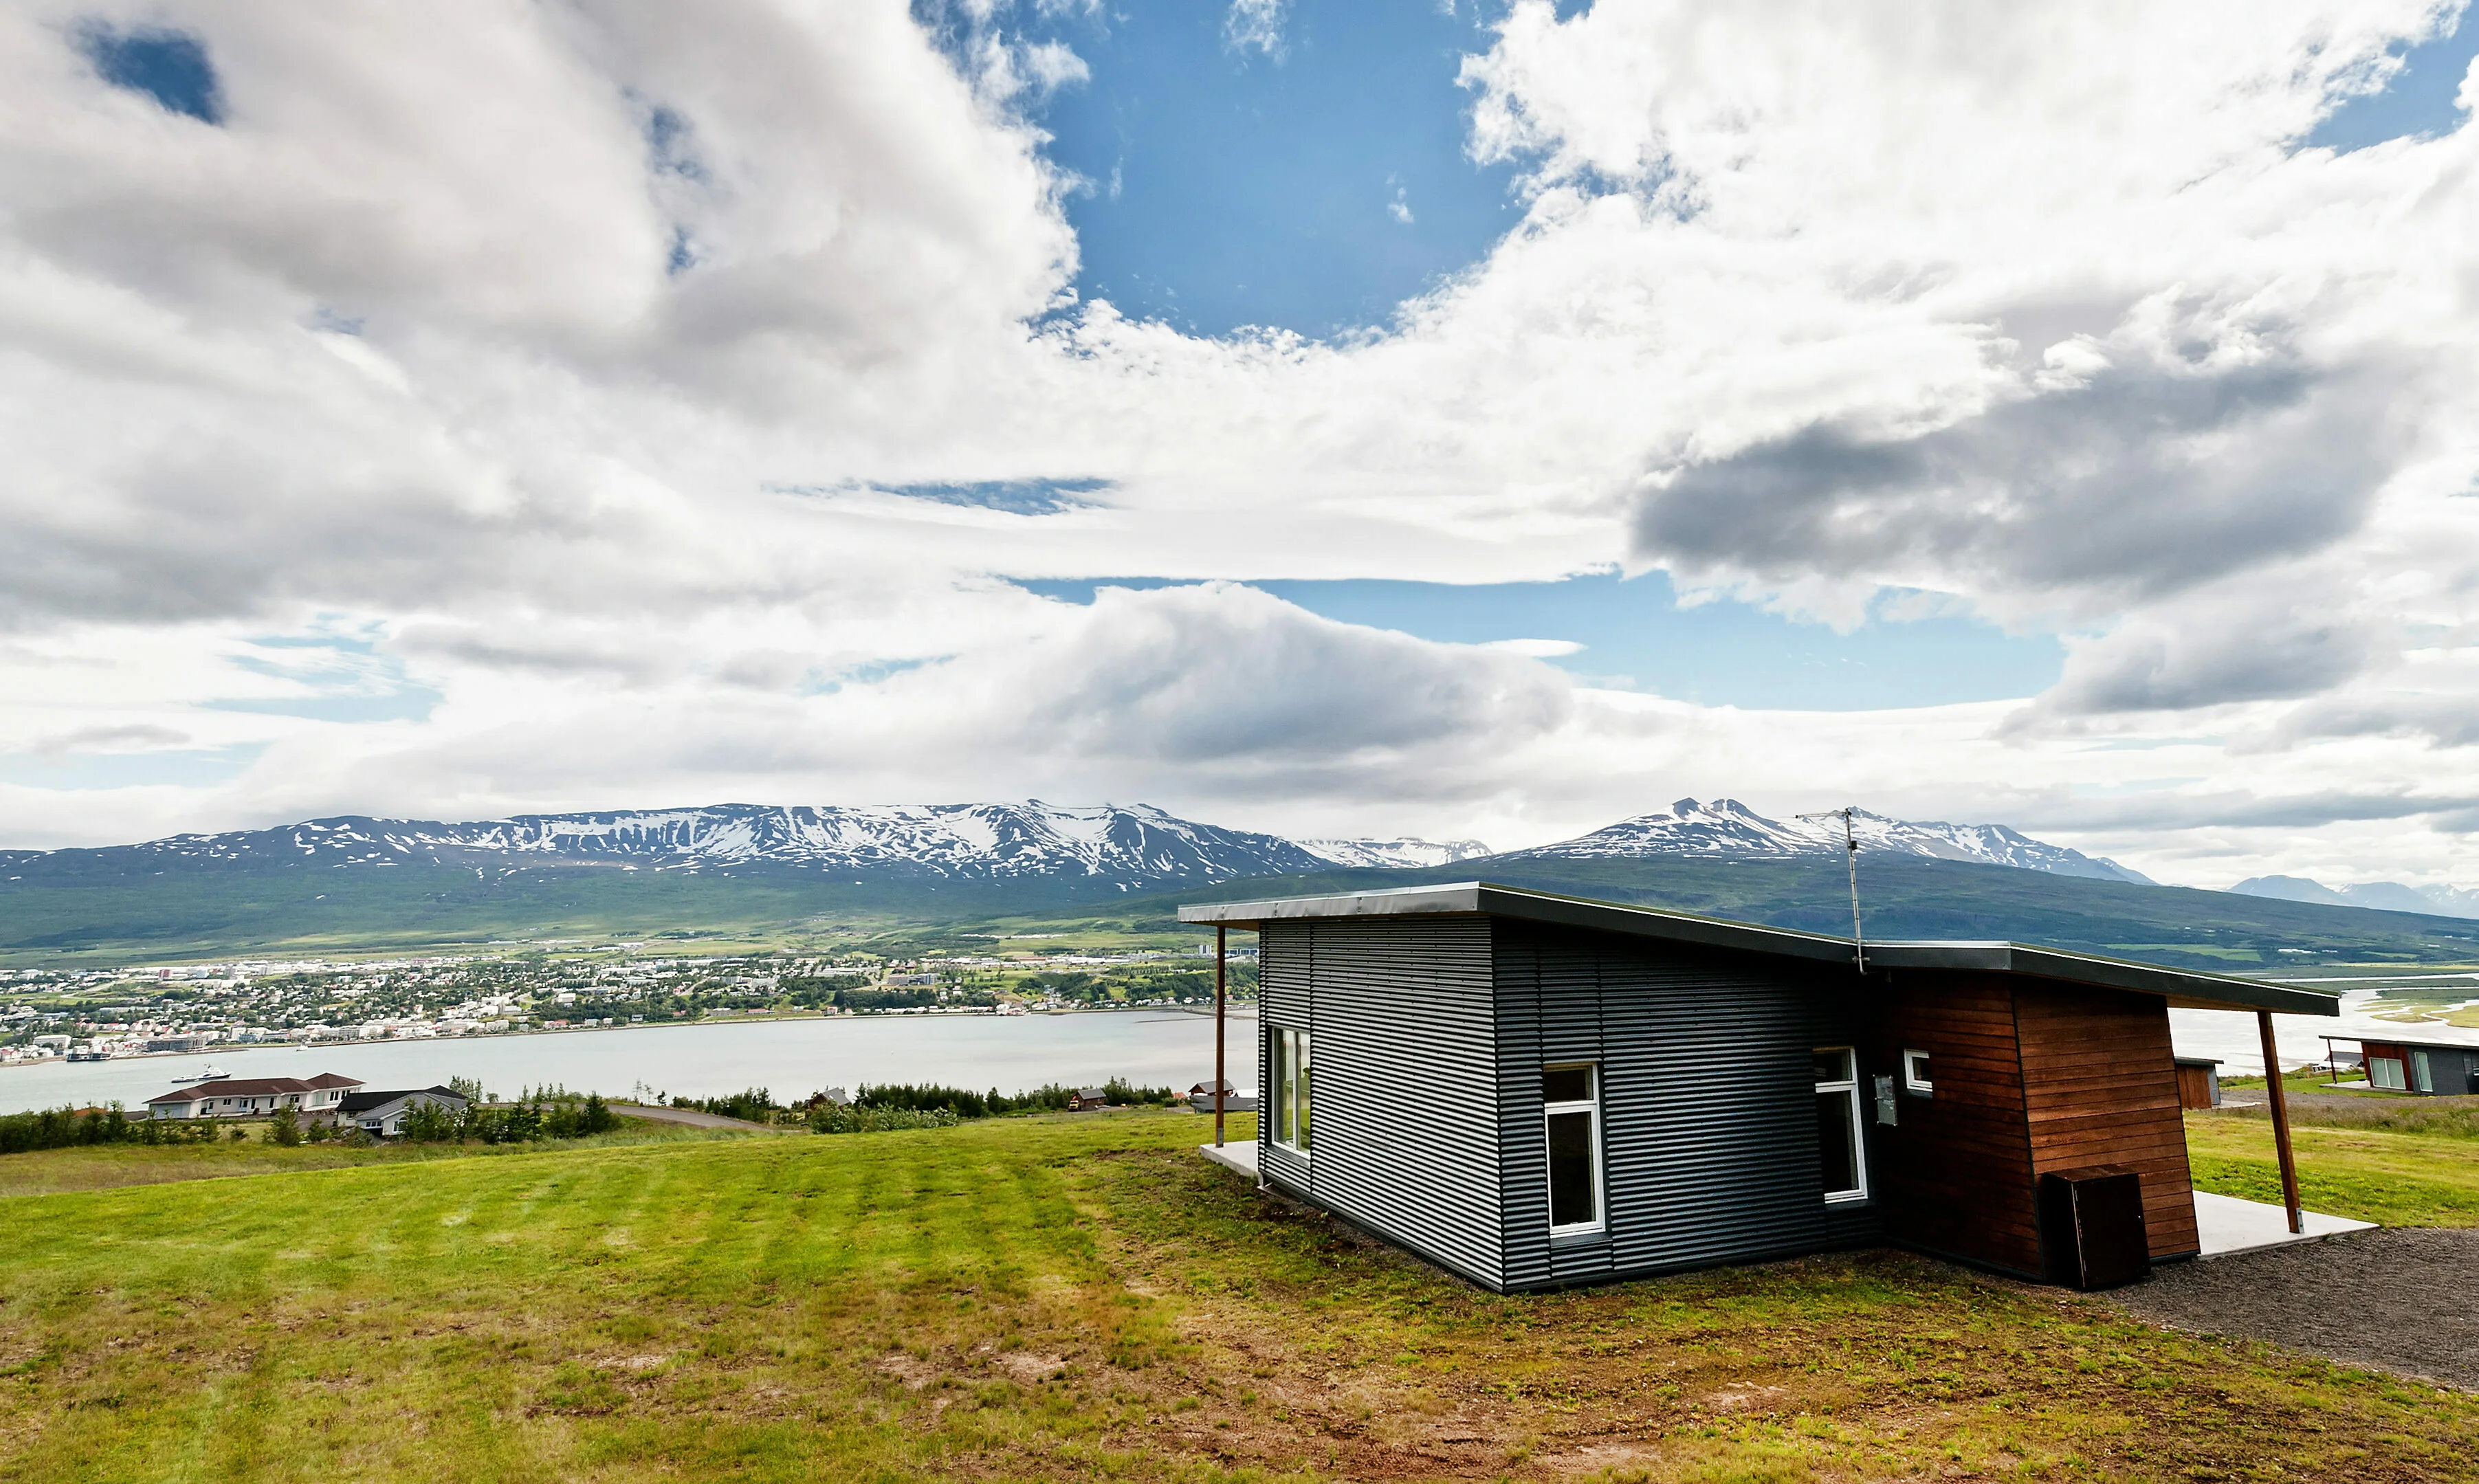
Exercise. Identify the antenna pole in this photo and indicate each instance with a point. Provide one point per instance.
(1851, 856)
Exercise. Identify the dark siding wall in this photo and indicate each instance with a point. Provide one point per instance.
(1405, 1129)
(1708, 1102)
(1955, 1169)
(2099, 1087)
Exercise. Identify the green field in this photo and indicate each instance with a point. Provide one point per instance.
(2348, 1167)
(1065, 1297)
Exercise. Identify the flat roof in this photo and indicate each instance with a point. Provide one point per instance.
(2381, 1040)
(2180, 987)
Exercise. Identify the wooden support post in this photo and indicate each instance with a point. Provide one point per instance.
(2280, 1122)
(1221, 942)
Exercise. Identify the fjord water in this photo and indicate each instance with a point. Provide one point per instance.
(791, 1057)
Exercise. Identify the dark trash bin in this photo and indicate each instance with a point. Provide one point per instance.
(2091, 1227)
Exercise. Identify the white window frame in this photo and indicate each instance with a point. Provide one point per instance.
(1592, 1107)
(1912, 1082)
(2375, 1079)
(1849, 1087)
(1293, 1054)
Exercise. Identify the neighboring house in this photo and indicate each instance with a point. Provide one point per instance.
(381, 1114)
(1089, 1097)
(1608, 1091)
(2437, 1069)
(2199, 1082)
(1201, 1098)
(254, 1097)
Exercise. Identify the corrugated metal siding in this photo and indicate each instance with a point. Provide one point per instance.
(1283, 998)
(1708, 1101)
(1404, 1131)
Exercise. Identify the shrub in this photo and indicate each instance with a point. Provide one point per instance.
(284, 1129)
(851, 1119)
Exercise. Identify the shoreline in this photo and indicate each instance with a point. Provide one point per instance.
(229, 1048)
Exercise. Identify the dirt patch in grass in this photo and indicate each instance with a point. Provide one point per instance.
(2390, 1300)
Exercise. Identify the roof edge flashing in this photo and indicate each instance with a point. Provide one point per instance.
(2180, 987)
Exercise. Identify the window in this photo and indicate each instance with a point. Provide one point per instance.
(2418, 1073)
(1838, 1124)
(2386, 1072)
(1915, 1073)
(1291, 1072)
(1571, 1122)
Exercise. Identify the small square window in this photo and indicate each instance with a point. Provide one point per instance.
(1915, 1073)
(1567, 1084)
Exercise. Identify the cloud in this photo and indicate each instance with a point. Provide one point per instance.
(509, 350)
(132, 737)
(1256, 24)
(2142, 476)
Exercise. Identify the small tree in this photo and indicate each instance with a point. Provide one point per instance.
(284, 1129)
(429, 1123)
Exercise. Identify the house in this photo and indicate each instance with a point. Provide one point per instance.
(1201, 1098)
(2199, 1082)
(254, 1097)
(1090, 1098)
(2435, 1068)
(1611, 1091)
(381, 1114)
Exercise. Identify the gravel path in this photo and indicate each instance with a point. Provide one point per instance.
(2395, 1300)
(694, 1117)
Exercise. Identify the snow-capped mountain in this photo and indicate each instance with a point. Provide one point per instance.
(1728, 828)
(2383, 896)
(1399, 854)
(1133, 847)
(1103, 849)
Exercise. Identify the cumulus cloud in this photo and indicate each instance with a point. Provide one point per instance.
(2131, 482)
(670, 395)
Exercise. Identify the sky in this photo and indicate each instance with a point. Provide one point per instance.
(1397, 417)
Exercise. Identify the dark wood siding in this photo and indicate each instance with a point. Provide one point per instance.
(2195, 1086)
(1708, 1097)
(1957, 1166)
(2100, 1088)
(1404, 1136)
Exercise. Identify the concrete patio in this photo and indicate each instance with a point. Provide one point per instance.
(1237, 1157)
(2226, 1225)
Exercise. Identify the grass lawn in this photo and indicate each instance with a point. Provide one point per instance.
(2366, 1173)
(50, 1172)
(1065, 1297)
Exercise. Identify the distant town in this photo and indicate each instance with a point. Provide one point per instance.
(98, 1014)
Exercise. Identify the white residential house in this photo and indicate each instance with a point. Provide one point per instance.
(381, 1114)
(255, 1097)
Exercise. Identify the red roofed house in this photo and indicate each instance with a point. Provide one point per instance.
(254, 1097)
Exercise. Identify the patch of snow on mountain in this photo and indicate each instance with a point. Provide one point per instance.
(1728, 828)
(1395, 854)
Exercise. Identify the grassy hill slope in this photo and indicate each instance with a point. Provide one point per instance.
(1064, 1298)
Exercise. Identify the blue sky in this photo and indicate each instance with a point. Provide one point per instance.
(2420, 100)
(1315, 185)
(1636, 636)
(1310, 188)
(504, 417)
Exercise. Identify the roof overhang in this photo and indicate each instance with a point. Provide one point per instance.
(2181, 988)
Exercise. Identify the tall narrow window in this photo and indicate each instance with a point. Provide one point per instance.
(1570, 1119)
(1290, 1112)
(1838, 1142)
